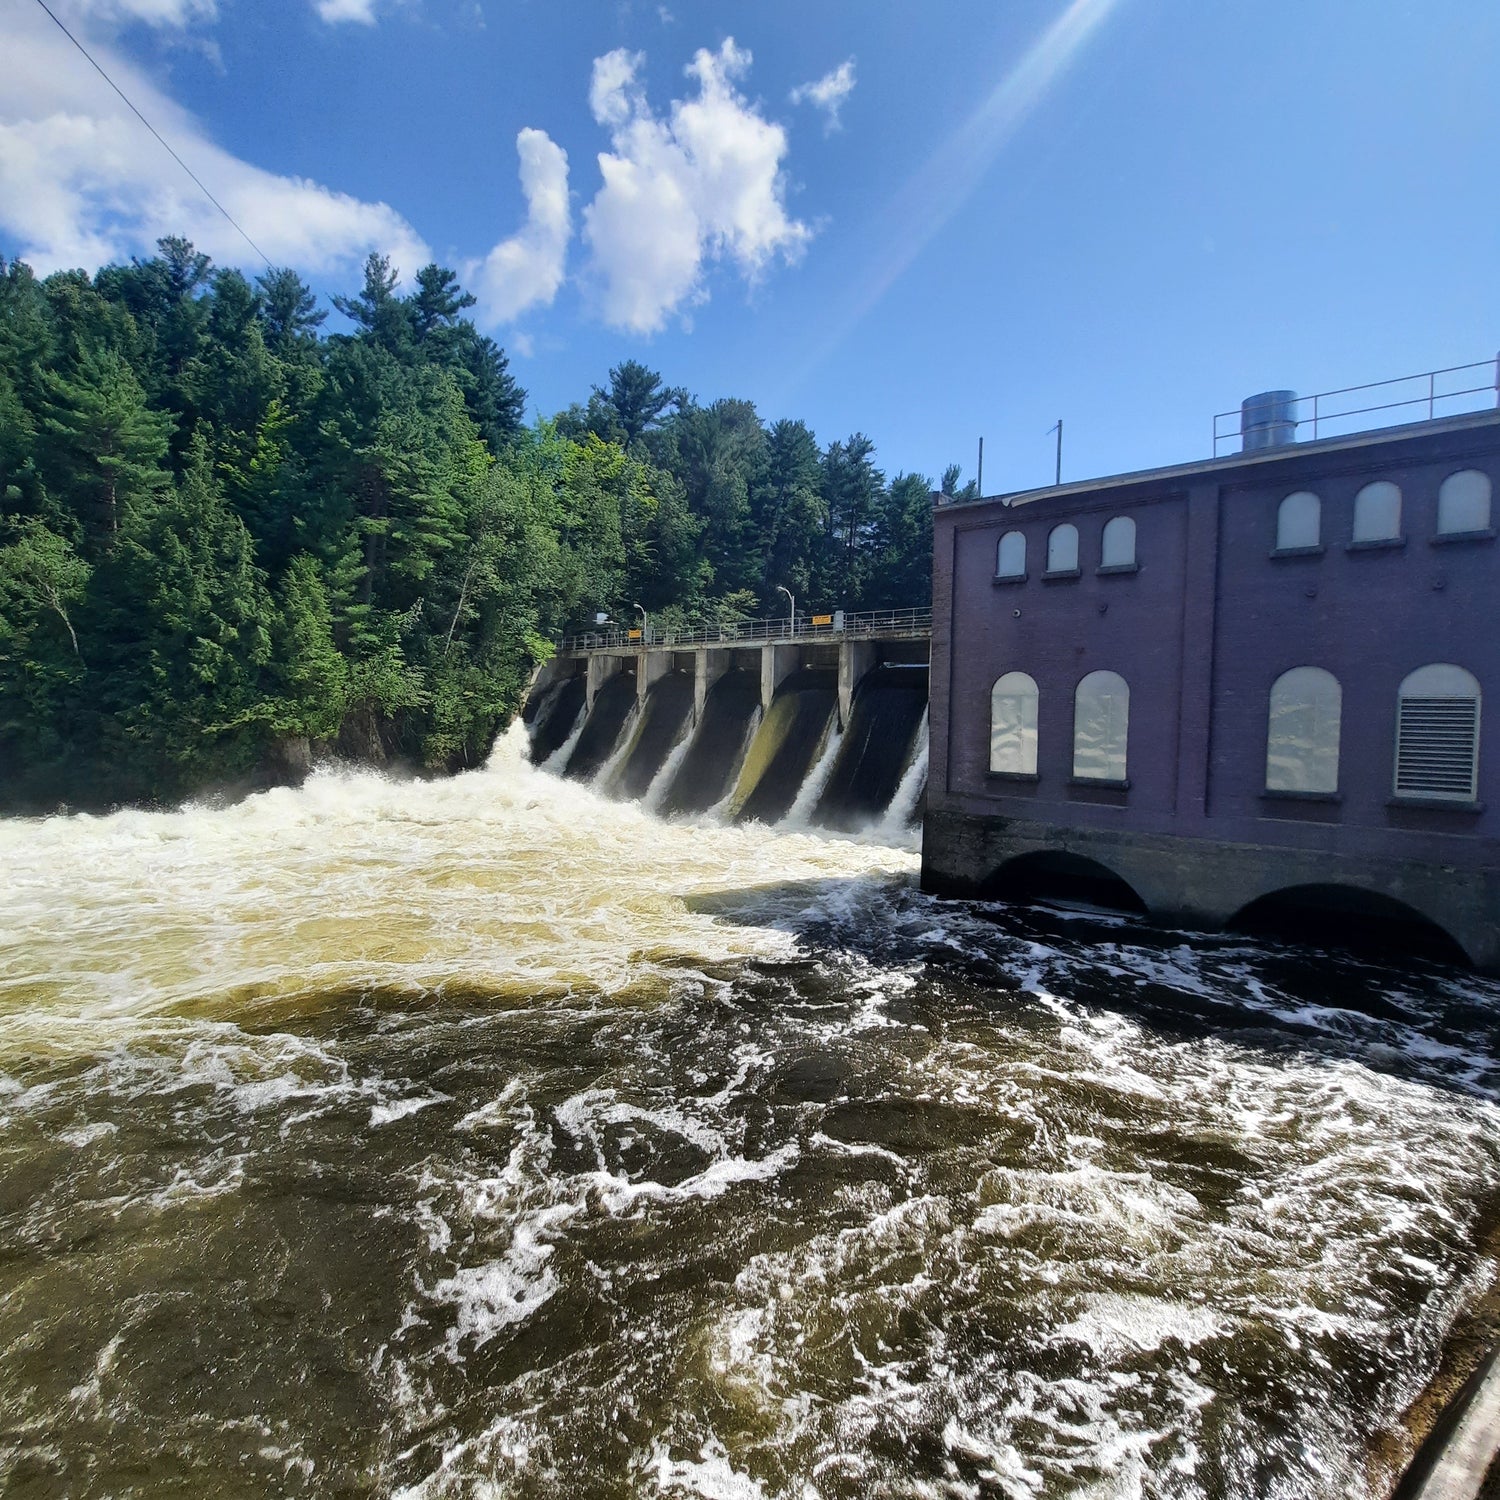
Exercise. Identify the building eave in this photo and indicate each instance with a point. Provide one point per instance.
(1240, 463)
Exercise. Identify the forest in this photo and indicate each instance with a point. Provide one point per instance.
(232, 541)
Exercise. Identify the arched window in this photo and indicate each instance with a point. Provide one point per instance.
(1118, 548)
(1377, 512)
(1010, 559)
(1464, 502)
(1302, 732)
(1298, 521)
(1101, 727)
(1013, 702)
(1062, 549)
(1437, 734)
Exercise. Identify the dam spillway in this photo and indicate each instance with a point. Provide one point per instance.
(786, 747)
(827, 732)
(664, 717)
(707, 773)
(551, 716)
(608, 715)
(877, 749)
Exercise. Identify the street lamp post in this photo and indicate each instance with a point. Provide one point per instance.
(782, 589)
(645, 626)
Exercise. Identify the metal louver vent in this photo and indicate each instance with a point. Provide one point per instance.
(1436, 745)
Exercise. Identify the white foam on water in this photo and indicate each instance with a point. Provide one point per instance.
(501, 878)
(401, 1109)
(1111, 1323)
(710, 1475)
(492, 1297)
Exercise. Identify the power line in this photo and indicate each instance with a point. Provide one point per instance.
(154, 131)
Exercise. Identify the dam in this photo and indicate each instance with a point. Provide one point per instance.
(820, 721)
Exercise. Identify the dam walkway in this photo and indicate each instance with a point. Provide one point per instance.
(822, 717)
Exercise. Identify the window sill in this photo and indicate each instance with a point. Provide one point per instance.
(1458, 538)
(1377, 544)
(1438, 804)
(1280, 552)
(1115, 570)
(1278, 794)
(1104, 783)
(1061, 575)
(1028, 777)
(1001, 579)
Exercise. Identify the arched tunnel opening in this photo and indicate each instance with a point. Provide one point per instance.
(1055, 876)
(1341, 916)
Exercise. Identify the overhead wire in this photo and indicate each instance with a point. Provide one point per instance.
(166, 145)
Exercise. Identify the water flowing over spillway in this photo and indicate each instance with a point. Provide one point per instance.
(488, 1137)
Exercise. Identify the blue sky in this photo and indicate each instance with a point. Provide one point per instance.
(1127, 213)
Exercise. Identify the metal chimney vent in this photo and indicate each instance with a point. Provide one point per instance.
(1268, 420)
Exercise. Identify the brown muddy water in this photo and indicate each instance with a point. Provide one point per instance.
(488, 1138)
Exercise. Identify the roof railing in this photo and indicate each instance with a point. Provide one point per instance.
(1433, 390)
(834, 625)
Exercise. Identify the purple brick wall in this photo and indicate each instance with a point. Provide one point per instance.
(1202, 630)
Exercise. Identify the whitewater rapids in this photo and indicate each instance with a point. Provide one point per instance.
(485, 1137)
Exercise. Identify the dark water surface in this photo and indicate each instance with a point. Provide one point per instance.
(483, 1138)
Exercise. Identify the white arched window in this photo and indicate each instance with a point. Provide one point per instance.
(1013, 702)
(1377, 512)
(1464, 502)
(1299, 521)
(1062, 549)
(1302, 732)
(1101, 727)
(1010, 558)
(1118, 548)
(1437, 734)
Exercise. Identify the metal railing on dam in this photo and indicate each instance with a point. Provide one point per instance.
(838, 625)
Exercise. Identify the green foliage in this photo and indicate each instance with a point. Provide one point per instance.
(222, 529)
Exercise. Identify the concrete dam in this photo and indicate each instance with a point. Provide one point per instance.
(824, 723)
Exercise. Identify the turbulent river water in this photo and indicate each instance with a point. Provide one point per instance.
(484, 1137)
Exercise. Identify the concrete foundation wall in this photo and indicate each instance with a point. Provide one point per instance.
(777, 663)
(1205, 882)
(708, 668)
(600, 670)
(855, 659)
(650, 665)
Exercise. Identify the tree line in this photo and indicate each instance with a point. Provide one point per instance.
(229, 538)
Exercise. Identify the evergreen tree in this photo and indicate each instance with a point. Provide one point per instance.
(789, 512)
(105, 447)
(382, 317)
(900, 572)
(289, 312)
(852, 491)
(42, 585)
(636, 400)
(180, 625)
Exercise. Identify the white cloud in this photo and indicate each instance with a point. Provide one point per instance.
(334, 11)
(166, 13)
(703, 184)
(83, 183)
(828, 92)
(526, 270)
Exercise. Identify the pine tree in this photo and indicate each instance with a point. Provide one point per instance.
(181, 622)
(106, 447)
(289, 313)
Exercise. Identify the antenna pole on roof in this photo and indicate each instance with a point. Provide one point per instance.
(979, 482)
(1057, 478)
